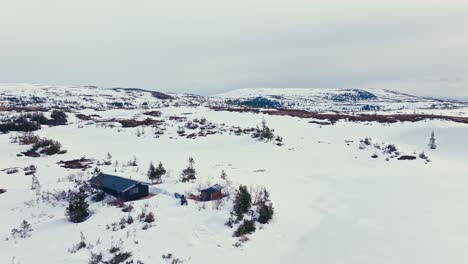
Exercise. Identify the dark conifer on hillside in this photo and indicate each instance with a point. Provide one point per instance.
(160, 171)
(265, 209)
(77, 209)
(242, 202)
(432, 141)
(152, 173)
(189, 172)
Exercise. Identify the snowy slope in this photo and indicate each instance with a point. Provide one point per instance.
(333, 203)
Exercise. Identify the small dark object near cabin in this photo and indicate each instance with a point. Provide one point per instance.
(212, 193)
(183, 200)
(122, 188)
(2, 191)
(407, 157)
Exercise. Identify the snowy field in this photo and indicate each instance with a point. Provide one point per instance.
(333, 203)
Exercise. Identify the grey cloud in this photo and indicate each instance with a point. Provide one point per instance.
(212, 46)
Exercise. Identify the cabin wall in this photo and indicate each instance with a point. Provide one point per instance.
(206, 196)
(216, 195)
(143, 191)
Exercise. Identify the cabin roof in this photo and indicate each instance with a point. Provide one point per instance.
(114, 182)
(213, 189)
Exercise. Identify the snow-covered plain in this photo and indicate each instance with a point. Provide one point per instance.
(333, 203)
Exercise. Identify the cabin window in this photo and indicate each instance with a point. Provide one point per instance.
(133, 191)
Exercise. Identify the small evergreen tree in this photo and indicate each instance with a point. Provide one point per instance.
(77, 209)
(265, 209)
(160, 171)
(134, 162)
(152, 173)
(189, 172)
(432, 141)
(35, 184)
(96, 171)
(263, 132)
(23, 231)
(242, 202)
(223, 175)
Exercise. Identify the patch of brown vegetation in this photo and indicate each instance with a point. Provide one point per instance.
(82, 163)
(153, 113)
(86, 117)
(407, 157)
(134, 123)
(23, 109)
(83, 117)
(137, 123)
(177, 118)
(393, 118)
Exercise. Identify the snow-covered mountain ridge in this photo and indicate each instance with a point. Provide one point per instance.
(81, 97)
(309, 99)
(334, 99)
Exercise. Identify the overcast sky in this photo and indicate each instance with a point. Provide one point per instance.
(210, 46)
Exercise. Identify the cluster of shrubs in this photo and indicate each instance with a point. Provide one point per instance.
(44, 146)
(257, 102)
(171, 258)
(118, 256)
(27, 138)
(80, 245)
(147, 218)
(28, 122)
(264, 133)
(242, 207)
(122, 224)
(19, 123)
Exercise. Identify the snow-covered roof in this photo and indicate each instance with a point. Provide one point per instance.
(212, 189)
(114, 182)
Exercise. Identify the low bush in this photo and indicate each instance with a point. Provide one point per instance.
(45, 146)
(246, 227)
(58, 118)
(98, 197)
(120, 257)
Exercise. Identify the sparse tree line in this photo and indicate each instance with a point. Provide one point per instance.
(155, 174)
(27, 122)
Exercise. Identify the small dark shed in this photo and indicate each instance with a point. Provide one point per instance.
(211, 193)
(122, 188)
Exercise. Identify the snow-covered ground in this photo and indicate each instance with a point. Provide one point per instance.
(333, 203)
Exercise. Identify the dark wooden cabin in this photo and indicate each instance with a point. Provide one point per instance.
(214, 192)
(122, 188)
